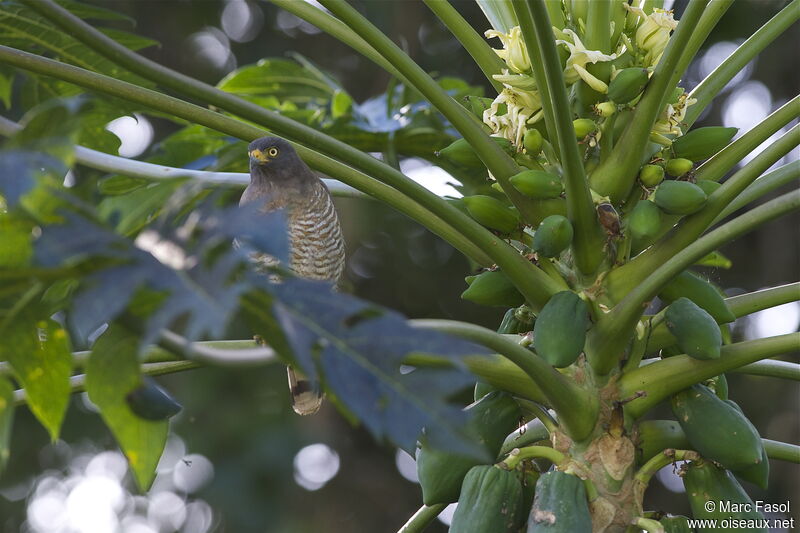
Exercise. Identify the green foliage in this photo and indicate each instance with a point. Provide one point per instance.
(6, 419)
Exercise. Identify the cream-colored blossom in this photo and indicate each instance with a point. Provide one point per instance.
(653, 31)
(523, 107)
(579, 56)
(670, 120)
(514, 52)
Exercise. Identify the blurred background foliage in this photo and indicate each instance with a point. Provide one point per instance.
(238, 459)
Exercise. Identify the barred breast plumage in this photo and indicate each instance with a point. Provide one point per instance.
(279, 179)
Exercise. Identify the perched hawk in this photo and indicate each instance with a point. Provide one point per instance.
(280, 179)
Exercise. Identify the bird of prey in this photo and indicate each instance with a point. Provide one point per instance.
(279, 179)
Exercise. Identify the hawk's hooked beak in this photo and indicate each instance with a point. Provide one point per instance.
(259, 157)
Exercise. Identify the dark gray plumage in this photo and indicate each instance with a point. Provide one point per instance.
(280, 179)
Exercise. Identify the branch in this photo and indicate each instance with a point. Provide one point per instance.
(660, 380)
(500, 164)
(782, 451)
(576, 409)
(589, 240)
(715, 82)
(473, 43)
(609, 337)
(615, 176)
(751, 302)
(771, 369)
(422, 518)
(760, 187)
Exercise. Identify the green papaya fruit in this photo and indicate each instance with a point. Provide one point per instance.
(553, 236)
(460, 152)
(702, 143)
(481, 390)
(701, 292)
(560, 505)
(656, 436)
(720, 386)
(490, 502)
(651, 175)
(538, 184)
(644, 222)
(679, 197)
(492, 288)
(560, 330)
(627, 84)
(533, 141)
(478, 104)
(583, 127)
(678, 166)
(492, 213)
(441, 472)
(528, 478)
(715, 429)
(151, 402)
(709, 186)
(758, 474)
(696, 331)
(705, 482)
(675, 524)
(509, 324)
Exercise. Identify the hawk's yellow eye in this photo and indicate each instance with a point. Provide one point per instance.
(272, 152)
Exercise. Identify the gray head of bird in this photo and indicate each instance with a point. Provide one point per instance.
(275, 159)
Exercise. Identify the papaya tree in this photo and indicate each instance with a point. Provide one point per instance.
(587, 199)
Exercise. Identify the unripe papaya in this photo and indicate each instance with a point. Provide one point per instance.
(533, 141)
(720, 386)
(490, 502)
(560, 505)
(679, 197)
(553, 236)
(151, 402)
(440, 472)
(675, 524)
(701, 292)
(678, 166)
(715, 429)
(510, 323)
(644, 222)
(492, 213)
(560, 330)
(478, 104)
(605, 109)
(705, 482)
(481, 390)
(702, 143)
(461, 153)
(492, 288)
(583, 127)
(697, 332)
(758, 474)
(651, 175)
(709, 186)
(656, 436)
(538, 184)
(627, 84)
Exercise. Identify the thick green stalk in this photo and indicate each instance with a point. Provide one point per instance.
(771, 369)
(624, 278)
(782, 451)
(499, 14)
(422, 518)
(517, 455)
(473, 43)
(762, 186)
(659, 380)
(588, 241)
(576, 409)
(500, 164)
(615, 176)
(745, 304)
(659, 461)
(597, 37)
(611, 334)
(708, 89)
(535, 285)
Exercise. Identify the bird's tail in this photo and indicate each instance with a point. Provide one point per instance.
(306, 394)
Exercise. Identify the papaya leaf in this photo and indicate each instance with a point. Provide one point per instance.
(715, 259)
(358, 348)
(111, 373)
(6, 419)
(39, 353)
(190, 259)
(278, 78)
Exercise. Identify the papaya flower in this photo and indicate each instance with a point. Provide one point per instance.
(514, 52)
(653, 31)
(579, 56)
(523, 107)
(671, 118)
